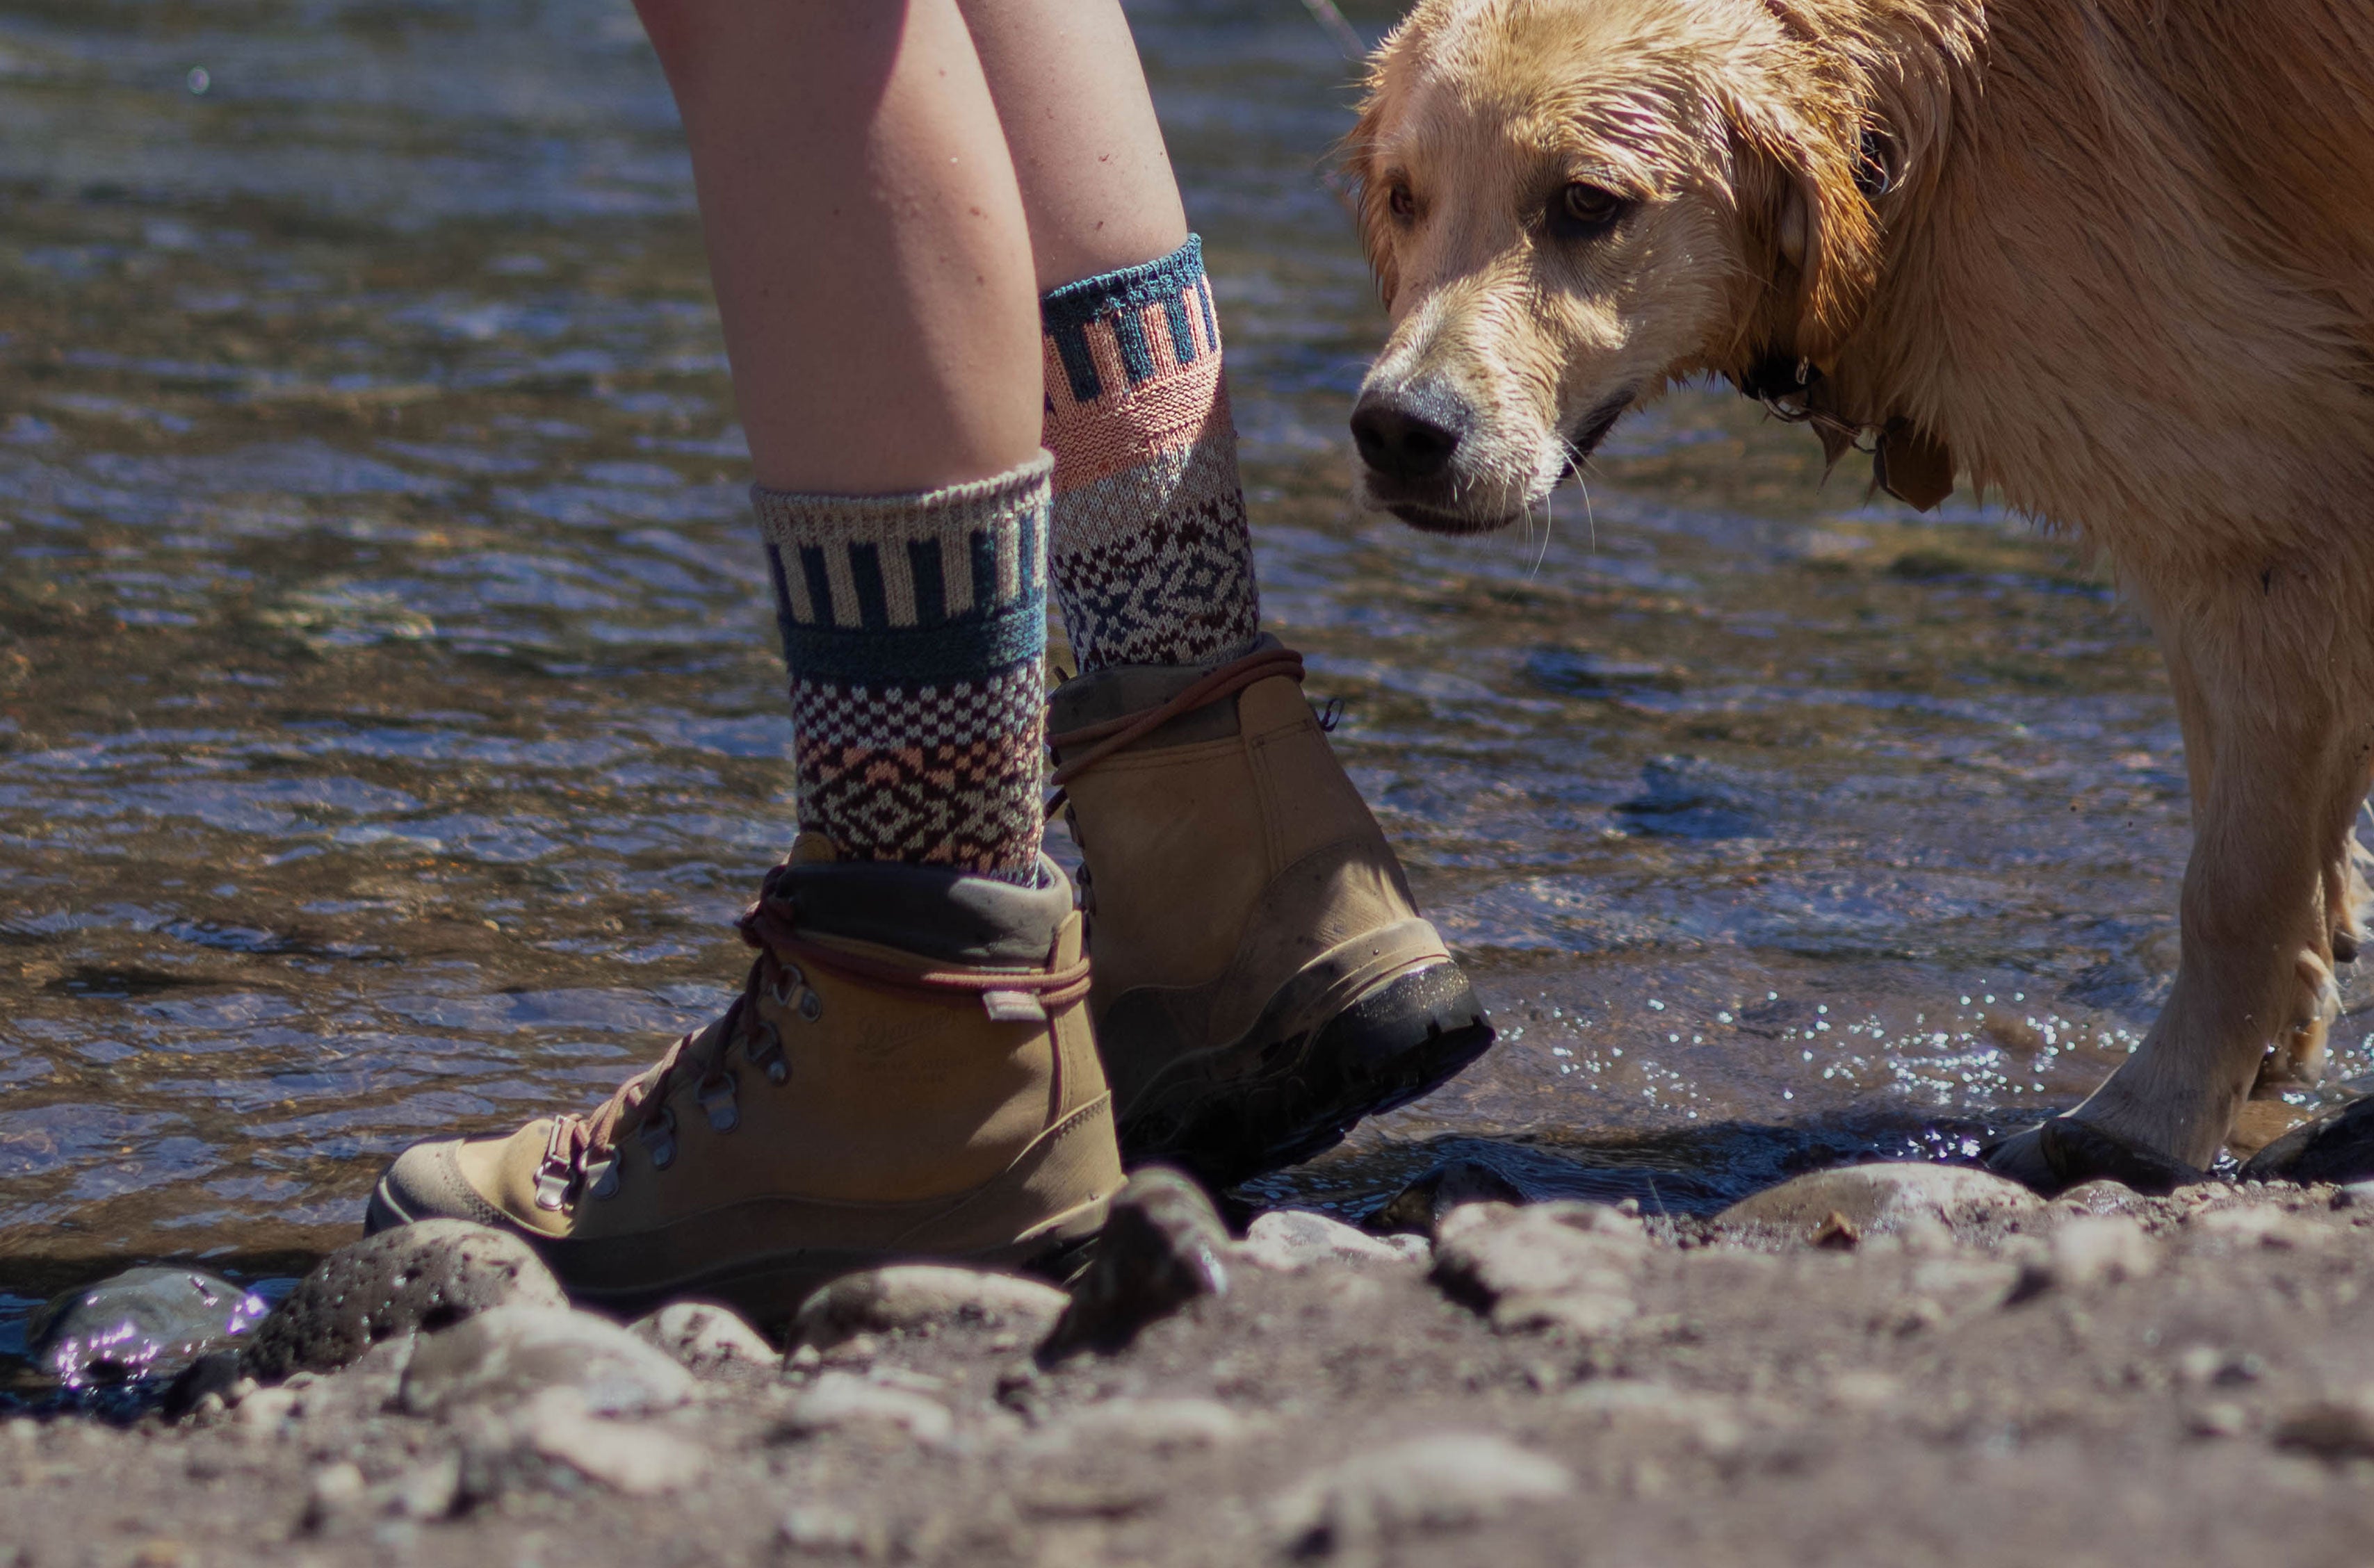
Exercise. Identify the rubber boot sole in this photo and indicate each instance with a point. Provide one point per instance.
(1287, 1089)
(768, 1289)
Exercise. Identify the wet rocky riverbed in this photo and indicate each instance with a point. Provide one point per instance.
(390, 720)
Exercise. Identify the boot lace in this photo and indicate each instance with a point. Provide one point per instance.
(580, 1154)
(1110, 736)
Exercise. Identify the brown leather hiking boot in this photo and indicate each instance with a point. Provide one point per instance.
(907, 1073)
(1262, 978)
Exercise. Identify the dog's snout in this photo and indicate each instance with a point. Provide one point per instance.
(1409, 435)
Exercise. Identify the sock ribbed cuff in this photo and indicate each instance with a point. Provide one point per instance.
(915, 629)
(1149, 554)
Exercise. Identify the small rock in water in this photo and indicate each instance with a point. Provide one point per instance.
(1418, 1208)
(1565, 1266)
(925, 1297)
(2337, 1146)
(511, 1354)
(844, 1399)
(1443, 1481)
(1161, 1248)
(420, 1277)
(1880, 1198)
(1288, 1240)
(144, 1323)
(703, 1337)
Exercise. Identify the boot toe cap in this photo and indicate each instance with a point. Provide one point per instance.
(426, 1183)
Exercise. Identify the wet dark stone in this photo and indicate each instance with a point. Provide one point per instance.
(213, 1373)
(2337, 1146)
(425, 1276)
(1686, 797)
(1160, 1249)
(145, 1324)
(1419, 1206)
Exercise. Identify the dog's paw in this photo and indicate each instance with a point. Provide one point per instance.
(2020, 1157)
(2057, 1155)
(2337, 1146)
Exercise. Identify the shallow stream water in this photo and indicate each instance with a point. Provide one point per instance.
(391, 721)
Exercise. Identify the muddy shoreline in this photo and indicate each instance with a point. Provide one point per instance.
(2104, 1379)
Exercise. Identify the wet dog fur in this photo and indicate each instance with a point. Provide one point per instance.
(2116, 257)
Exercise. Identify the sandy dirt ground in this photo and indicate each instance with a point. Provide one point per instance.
(2103, 1379)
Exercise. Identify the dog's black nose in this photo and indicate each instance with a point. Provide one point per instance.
(1408, 435)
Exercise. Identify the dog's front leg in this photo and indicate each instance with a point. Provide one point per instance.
(2277, 781)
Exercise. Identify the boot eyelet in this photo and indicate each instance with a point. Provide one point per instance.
(602, 1176)
(787, 985)
(552, 1184)
(658, 1136)
(764, 1048)
(716, 1097)
(811, 1006)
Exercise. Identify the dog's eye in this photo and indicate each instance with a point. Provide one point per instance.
(1583, 211)
(1400, 203)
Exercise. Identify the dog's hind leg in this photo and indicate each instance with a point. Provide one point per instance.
(2278, 777)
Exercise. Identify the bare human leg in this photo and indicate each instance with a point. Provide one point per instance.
(1262, 979)
(909, 1069)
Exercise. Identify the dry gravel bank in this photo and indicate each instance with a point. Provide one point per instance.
(1954, 1374)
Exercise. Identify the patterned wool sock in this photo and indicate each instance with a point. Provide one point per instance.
(1149, 555)
(916, 631)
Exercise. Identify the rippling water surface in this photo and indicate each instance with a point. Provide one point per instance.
(391, 720)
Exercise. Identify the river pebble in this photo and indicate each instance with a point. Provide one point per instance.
(1437, 1483)
(1291, 1239)
(1876, 1200)
(1418, 1208)
(919, 1298)
(511, 1353)
(1162, 1247)
(144, 1323)
(1566, 1265)
(844, 1399)
(704, 1338)
(423, 1276)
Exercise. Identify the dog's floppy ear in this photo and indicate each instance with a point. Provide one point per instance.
(1370, 199)
(1808, 221)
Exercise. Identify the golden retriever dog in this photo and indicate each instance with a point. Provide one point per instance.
(2112, 260)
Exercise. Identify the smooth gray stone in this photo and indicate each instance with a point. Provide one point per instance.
(1289, 1240)
(144, 1323)
(704, 1337)
(1877, 1199)
(1448, 1480)
(923, 1298)
(841, 1399)
(416, 1278)
(1565, 1266)
(503, 1358)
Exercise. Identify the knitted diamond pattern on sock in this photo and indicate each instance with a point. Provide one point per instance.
(915, 627)
(1149, 554)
